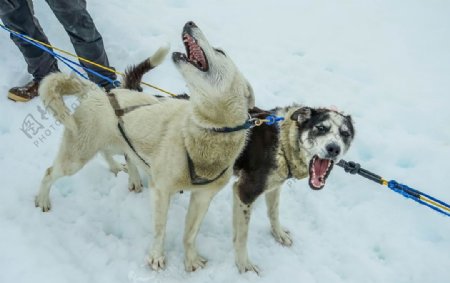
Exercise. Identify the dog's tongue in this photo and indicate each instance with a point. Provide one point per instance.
(319, 170)
(321, 166)
(195, 53)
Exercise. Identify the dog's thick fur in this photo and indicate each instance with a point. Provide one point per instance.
(276, 154)
(163, 133)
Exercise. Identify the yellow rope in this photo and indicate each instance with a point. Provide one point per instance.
(96, 64)
(425, 199)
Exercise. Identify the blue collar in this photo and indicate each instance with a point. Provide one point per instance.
(249, 123)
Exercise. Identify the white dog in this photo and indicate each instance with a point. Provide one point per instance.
(182, 144)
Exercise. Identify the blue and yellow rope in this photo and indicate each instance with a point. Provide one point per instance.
(38, 43)
(418, 196)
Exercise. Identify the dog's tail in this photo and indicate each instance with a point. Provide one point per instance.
(133, 75)
(56, 85)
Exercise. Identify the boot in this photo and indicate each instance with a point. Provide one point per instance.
(24, 93)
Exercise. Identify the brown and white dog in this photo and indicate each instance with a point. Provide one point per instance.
(175, 141)
(306, 143)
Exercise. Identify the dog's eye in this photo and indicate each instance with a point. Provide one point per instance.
(345, 134)
(220, 51)
(322, 129)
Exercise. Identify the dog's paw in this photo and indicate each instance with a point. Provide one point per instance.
(42, 202)
(156, 262)
(135, 187)
(247, 266)
(195, 263)
(118, 167)
(283, 237)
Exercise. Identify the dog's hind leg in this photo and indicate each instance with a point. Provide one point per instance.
(273, 201)
(134, 179)
(241, 219)
(42, 200)
(198, 206)
(67, 163)
(58, 170)
(161, 202)
(114, 166)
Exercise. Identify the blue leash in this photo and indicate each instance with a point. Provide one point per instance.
(271, 119)
(418, 196)
(66, 61)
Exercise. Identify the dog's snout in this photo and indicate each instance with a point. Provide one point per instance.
(333, 150)
(191, 24)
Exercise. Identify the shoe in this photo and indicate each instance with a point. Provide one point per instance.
(24, 93)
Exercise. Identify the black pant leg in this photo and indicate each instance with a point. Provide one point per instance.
(18, 15)
(86, 39)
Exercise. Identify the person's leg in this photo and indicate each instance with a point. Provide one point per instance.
(87, 41)
(18, 15)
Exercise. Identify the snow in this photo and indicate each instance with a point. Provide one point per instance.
(384, 62)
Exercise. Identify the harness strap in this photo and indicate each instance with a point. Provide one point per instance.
(123, 111)
(195, 179)
(124, 135)
(113, 100)
(198, 180)
(120, 124)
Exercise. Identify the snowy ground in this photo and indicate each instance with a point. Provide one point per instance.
(387, 63)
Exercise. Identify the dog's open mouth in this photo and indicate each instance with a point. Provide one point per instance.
(319, 169)
(195, 54)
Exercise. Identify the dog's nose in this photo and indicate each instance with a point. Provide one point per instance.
(191, 24)
(333, 150)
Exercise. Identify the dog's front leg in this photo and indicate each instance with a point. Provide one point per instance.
(198, 206)
(156, 258)
(273, 202)
(241, 219)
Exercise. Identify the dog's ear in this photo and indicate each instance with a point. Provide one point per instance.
(349, 123)
(250, 96)
(302, 114)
